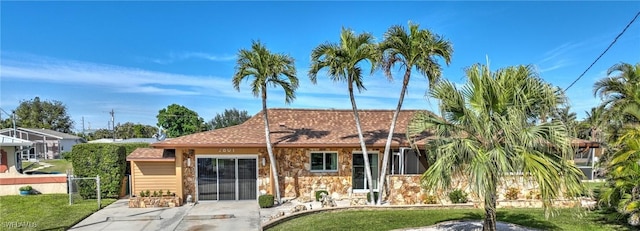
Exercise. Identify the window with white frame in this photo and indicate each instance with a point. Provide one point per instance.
(324, 161)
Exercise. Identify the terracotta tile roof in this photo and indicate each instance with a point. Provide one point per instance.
(149, 154)
(304, 128)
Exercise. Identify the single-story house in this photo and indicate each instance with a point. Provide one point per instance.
(10, 163)
(47, 144)
(315, 149)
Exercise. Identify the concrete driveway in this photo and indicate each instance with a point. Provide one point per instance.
(219, 215)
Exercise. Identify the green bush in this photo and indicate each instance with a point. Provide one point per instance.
(25, 188)
(375, 196)
(95, 159)
(458, 196)
(66, 156)
(265, 201)
(128, 149)
(318, 194)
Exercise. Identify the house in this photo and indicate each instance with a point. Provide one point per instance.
(47, 144)
(315, 149)
(130, 140)
(10, 163)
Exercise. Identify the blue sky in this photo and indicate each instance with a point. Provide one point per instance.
(139, 57)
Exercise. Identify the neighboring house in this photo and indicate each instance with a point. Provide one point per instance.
(586, 157)
(10, 163)
(130, 140)
(315, 150)
(47, 144)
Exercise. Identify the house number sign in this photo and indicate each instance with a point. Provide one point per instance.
(225, 150)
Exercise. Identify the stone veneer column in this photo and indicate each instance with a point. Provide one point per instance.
(188, 174)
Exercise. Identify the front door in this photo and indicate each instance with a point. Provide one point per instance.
(359, 177)
(227, 178)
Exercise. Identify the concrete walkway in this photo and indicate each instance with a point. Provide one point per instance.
(223, 215)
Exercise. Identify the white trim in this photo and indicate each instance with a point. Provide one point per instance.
(377, 153)
(323, 162)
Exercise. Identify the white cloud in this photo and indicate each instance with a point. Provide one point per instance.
(173, 57)
(115, 78)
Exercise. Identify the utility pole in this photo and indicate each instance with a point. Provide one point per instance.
(83, 125)
(113, 125)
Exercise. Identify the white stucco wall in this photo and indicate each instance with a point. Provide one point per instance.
(11, 161)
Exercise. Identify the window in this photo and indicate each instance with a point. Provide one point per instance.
(324, 161)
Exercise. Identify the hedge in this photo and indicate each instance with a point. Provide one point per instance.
(129, 148)
(106, 160)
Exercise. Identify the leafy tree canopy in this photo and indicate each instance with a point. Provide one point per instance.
(35, 113)
(230, 117)
(179, 120)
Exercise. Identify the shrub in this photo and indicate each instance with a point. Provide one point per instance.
(533, 194)
(375, 196)
(147, 193)
(105, 160)
(160, 193)
(142, 194)
(265, 201)
(26, 188)
(155, 193)
(429, 199)
(319, 194)
(66, 156)
(512, 193)
(168, 192)
(458, 196)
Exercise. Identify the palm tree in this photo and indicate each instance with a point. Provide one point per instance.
(342, 63)
(486, 132)
(617, 92)
(414, 48)
(623, 187)
(266, 68)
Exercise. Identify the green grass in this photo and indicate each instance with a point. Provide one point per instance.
(45, 211)
(59, 165)
(567, 219)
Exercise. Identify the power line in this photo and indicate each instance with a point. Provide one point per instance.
(605, 51)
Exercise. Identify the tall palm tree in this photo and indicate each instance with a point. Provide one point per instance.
(266, 69)
(414, 48)
(342, 61)
(486, 132)
(623, 186)
(619, 91)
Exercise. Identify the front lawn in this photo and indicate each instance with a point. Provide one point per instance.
(45, 211)
(59, 165)
(567, 219)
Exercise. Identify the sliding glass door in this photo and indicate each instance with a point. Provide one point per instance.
(227, 178)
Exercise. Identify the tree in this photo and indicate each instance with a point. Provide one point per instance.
(43, 114)
(342, 63)
(485, 133)
(414, 48)
(230, 117)
(623, 172)
(130, 130)
(566, 117)
(266, 69)
(619, 91)
(179, 120)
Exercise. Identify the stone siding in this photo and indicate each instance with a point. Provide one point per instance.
(154, 202)
(407, 190)
(296, 179)
(188, 174)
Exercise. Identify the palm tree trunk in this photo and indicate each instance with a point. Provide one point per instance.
(272, 158)
(490, 213)
(387, 146)
(365, 156)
